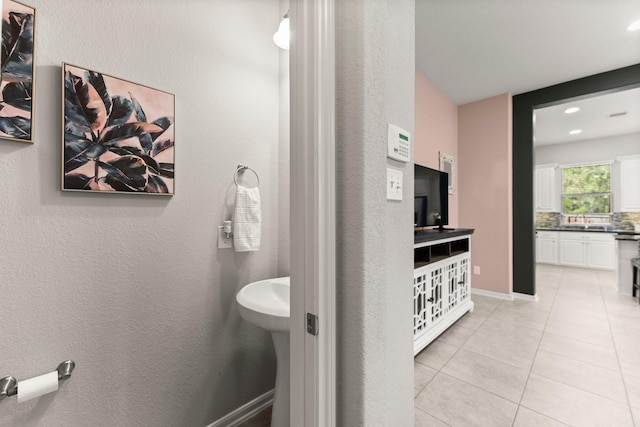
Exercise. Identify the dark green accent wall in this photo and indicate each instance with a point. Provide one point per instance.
(523, 158)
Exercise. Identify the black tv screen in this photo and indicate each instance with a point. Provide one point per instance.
(431, 197)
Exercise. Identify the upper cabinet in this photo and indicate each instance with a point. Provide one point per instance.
(629, 183)
(546, 184)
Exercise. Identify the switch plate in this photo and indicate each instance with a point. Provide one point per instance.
(223, 242)
(394, 184)
(398, 144)
(476, 270)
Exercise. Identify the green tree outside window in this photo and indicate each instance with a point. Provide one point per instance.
(586, 190)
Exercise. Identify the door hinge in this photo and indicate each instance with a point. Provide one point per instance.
(312, 324)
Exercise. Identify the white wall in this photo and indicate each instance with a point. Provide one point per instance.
(591, 150)
(132, 287)
(375, 74)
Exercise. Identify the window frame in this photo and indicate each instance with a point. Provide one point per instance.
(588, 218)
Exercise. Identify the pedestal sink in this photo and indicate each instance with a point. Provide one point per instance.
(266, 304)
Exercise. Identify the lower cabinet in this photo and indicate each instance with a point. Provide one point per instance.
(441, 290)
(588, 250)
(547, 247)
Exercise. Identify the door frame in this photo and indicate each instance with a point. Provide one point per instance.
(312, 209)
(524, 104)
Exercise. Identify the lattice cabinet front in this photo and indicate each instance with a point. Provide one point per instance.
(441, 287)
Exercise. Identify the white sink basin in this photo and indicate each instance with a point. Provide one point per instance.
(266, 304)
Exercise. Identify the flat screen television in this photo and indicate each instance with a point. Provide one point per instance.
(431, 197)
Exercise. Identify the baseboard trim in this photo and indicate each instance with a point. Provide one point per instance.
(246, 411)
(492, 294)
(525, 297)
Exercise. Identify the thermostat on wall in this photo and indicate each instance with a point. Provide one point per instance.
(399, 144)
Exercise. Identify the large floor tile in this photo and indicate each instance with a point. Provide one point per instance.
(499, 326)
(508, 314)
(436, 354)
(528, 418)
(485, 303)
(580, 332)
(632, 383)
(604, 357)
(474, 319)
(597, 380)
(636, 415)
(514, 350)
(422, 419)
(572, 405)
(489, 374)
(458, 403)
(421, 376)
(456, 335)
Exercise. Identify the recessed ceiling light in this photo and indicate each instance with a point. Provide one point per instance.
(634, 26)
(575, 132)
(571, 110)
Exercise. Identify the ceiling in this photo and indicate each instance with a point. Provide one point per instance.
(475, 49)
(599, 116)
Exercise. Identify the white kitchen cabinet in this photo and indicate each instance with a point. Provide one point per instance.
(547, 247)
(629, 183)
(587, 250)
(547, 197)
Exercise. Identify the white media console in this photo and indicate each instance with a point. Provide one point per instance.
(441, 282)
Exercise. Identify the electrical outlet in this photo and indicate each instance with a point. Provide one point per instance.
(476, 270)
(223, 242)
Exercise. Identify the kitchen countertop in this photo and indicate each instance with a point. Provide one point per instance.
(620, 234)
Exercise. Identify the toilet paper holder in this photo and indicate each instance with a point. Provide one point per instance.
(9, 385)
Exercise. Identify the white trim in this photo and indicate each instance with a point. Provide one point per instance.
(246, 411)
(511, 296)
(577, 165)
(312, 69)
(631, 157)
(525, 297)
(492, 294)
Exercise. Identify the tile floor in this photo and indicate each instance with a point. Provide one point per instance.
(572, 358)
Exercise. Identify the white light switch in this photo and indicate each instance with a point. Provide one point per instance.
(394, 184)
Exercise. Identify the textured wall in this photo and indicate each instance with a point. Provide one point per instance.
(133, 288)
(485, 179)
(436, 130)
(375, 74)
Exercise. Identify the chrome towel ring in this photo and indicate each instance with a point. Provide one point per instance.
(242, 169)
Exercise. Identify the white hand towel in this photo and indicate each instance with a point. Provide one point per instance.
(246, 219)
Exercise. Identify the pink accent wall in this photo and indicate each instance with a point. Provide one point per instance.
(436, 129)
(485, 182)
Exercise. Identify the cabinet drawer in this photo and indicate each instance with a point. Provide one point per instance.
(547, 234)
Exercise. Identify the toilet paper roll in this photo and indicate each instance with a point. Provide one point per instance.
(37, 386)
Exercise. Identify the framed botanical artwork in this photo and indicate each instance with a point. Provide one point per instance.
(16, 80)
(117, 136)
(448, 165)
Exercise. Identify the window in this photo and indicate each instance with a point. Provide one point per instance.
(586, 194)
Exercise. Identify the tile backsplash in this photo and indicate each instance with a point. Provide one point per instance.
(621, 220)
(625, 220)
(548, 219)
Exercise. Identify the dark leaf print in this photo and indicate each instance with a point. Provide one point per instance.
(76, 181)
(121, 110)
(91, 104)
(18, 127)
(18, 95)
(159, 147)
(130, 170)
(92, 153)
(17, 46)
(97, 81)
(140, 115)
(128, 130)
(156, 185)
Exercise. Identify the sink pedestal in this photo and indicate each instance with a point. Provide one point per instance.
(280, 410)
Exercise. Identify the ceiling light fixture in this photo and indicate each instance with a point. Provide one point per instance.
(635, 26)
(571, 110)
(575, 132)
(283, 35)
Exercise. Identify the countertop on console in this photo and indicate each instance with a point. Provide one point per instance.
(430, 235)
